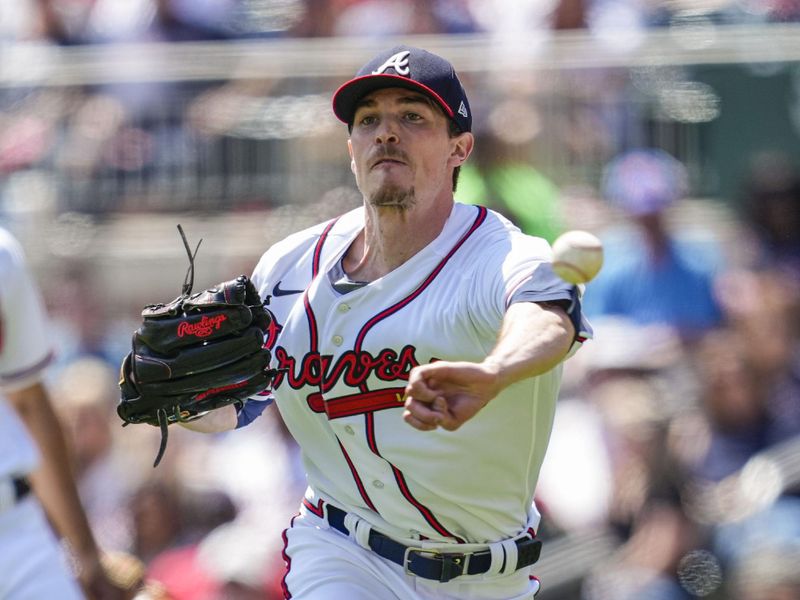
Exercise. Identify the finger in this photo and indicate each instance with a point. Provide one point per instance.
(450, 423)
(422, 410)
(416, 423)
(420, 387)
(445, 377)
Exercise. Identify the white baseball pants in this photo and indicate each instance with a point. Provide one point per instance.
(32, 565)
(324, 564)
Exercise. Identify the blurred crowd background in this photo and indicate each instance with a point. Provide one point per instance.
(671, 129)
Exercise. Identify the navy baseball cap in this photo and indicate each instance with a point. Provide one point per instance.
(411, 68)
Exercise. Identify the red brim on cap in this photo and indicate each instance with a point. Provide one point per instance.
(349, 93)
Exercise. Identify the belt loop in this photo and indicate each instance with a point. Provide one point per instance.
(350, 521)
(496, 550)
(362, 533)
(510, 551)
(358, 530)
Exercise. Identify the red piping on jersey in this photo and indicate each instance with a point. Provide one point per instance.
(318, 248)
(413, 295)
(314, 349)
(357, 478)
(312, 330)
(317, 510)
(369, 423)
(312, 322)
(369, 417)
(424, 510)
(287, 560)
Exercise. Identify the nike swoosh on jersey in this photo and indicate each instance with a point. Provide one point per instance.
(277, 291)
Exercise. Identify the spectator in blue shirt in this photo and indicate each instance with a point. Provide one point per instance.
(650, 275)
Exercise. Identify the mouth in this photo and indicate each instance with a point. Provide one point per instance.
(386, 161)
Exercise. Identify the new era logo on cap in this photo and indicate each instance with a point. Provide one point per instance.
(412, 68)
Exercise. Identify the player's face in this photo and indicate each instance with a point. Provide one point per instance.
(401, 150)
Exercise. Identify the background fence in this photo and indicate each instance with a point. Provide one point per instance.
(92, 133)
(105, 148)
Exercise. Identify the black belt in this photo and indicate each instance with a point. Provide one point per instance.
(22, 488)
(433, 564)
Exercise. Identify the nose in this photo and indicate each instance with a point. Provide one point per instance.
(386, 132)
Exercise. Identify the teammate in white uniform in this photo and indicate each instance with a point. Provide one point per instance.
(420, 344)
(33, 455)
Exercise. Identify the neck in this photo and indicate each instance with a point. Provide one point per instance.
(392, 236)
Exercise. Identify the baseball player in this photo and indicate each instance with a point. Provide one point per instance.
(419, 345)
(34, 467)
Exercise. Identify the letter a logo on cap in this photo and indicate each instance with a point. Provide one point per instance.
(398, 62)
(462, 110)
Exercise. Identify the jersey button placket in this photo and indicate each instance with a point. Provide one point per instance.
(377, 483)
(337, 340)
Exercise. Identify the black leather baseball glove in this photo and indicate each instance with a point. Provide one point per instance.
(197, 353)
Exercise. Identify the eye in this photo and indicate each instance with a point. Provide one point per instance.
(366, 120)
(412, 116)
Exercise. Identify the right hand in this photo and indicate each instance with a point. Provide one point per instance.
(447, 394)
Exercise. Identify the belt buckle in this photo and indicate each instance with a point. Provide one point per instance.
(453, 563)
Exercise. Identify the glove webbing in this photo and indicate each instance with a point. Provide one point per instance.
(186, 290)
(188, 281)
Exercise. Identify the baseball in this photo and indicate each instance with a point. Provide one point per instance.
(577, 256)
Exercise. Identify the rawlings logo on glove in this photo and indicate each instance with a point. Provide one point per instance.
(198, 353)
(202, 329)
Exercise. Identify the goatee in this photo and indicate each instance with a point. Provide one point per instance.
(391, 196)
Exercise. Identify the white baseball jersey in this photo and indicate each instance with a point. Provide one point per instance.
(31, 563)
(24, 352)
(347, 357)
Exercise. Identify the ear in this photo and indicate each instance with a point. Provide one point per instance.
(352, 159)
(461, 148)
